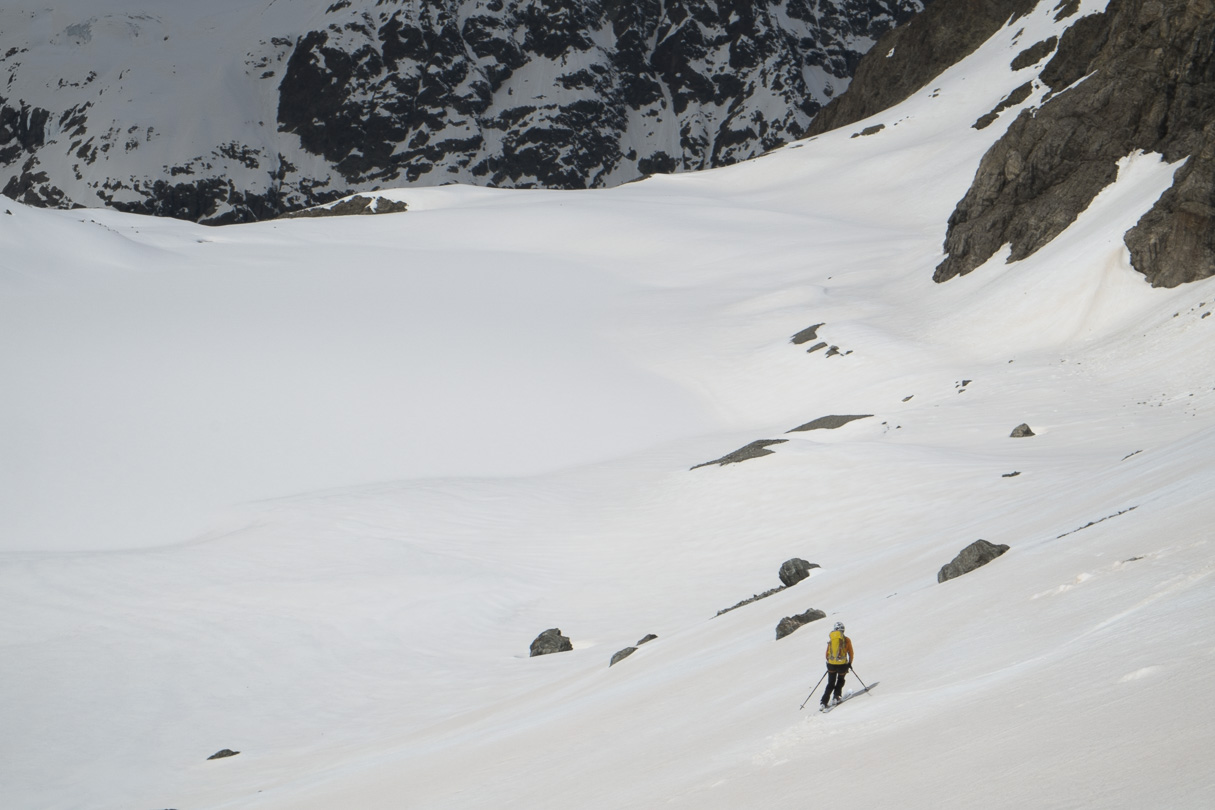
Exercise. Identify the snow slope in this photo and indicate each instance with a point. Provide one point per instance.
(533, 374)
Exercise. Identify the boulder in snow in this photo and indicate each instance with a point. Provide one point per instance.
(623, 654)
(1021, 431)
(550, 641)
(795, 570)
(790, 623)
(226, 752)
(977, 554)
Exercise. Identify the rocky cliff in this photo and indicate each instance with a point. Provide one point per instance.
(242, 111)
(1136, 76)
(1140, 76)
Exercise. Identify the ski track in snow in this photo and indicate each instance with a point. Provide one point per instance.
(196, 554)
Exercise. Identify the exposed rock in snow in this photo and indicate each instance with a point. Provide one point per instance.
(789, 624)
(1021, 431)
(976, 555)
(224, 753)
(358, 205)
(806, 335)
(755, 449)
(620, 656)
(830, 422)
(549, 642)
(795, 570)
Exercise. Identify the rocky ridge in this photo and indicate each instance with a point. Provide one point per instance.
(1136, 76)
(301, 104)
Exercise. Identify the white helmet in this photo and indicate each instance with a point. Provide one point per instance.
(839, 626)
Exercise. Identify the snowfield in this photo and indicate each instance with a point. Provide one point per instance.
(308, 489)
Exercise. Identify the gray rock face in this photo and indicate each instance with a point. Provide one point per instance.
(976, 555)
(321, 99)
(795, 570)
(549, 642)
(1021, 431)
(1150, 68)
(791, 623)
(648, 638)
(224, 753)
(910, 56)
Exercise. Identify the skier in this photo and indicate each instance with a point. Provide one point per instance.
(839, 661)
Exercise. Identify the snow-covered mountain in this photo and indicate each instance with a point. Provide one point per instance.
(233, 111)
(308, 489)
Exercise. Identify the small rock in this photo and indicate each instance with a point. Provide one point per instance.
(227, 752)
(1021, 431)
(976, 555)
(806, 335)
(550, 641)
(795, 570)
(1012, 474)
(649, 637)
(790, 623)
(623, 654)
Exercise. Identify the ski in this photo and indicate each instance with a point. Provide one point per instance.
(849, 696)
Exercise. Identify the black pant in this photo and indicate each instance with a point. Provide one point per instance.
(835, 681)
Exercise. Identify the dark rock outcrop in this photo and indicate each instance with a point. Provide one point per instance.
(755, 449)
(830, 422)
(789, 624)
(365, 94)
(795, 570)
(358, 205)
(1013, 99)
(647, 639)
(806, 335)
(907, 58)
(1148, 70)
(549, 642)
(222, 754)
(1021, 431)
(976, 555)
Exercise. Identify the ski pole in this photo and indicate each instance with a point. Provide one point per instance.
(812, 691)
(858, 677)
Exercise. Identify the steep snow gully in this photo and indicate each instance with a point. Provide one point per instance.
(307, 489)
